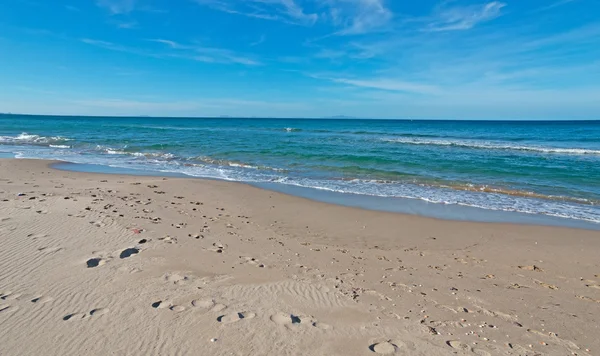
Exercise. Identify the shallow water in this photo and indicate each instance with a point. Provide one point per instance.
(541, 168)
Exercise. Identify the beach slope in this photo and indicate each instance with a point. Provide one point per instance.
(106, 264)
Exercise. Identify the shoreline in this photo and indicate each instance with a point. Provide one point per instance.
(405, 206)
(181, 262)
(436, 170)
(291, 198)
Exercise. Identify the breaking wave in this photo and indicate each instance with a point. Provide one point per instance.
(27, 139)
(493, 146)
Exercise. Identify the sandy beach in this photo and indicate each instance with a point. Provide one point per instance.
(96, 264)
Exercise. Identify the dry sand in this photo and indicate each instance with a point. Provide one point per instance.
(119, 265)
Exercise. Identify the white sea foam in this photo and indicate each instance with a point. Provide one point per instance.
(114, 151)
(492, 146)
(25, 138)
(447, 196)
(235, 171)
(234, 164)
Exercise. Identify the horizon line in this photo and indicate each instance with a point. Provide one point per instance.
(335, 117)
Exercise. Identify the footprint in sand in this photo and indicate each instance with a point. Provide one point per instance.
(161, 304)
(249, 260)
(129, 269)
(233, 317)
(520, 349)
(176, 278)
(458, 345)
(177, 308)
(287, 320)
(388, 347)
(383, 348)
(218, 247)
(7, 308)
(168, 239)
(208, 304)
(93, 313)
(98, 223)
(9, 296)
(50, 250)
(129, 252)
(322, 326)
(218, 307)
(41, 300)
(203, 303)
(99, 312)
(74, 317)
(95, 262)
(252, 261)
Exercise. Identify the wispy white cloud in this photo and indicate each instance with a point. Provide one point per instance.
(193, 52)
(370, 52)
(390, 85)
(117, 7)
(348, 17)
(291, 9)
(457, 67)
(105, 45)
(261, 40)
(120, 48)
(586, 34)
(464, 17)
(298, 60)
(379, 83)
(206, 54)
(126, 7)
(169, 43)
(128, 25)
(556, 4)
(355, 17)
(330, 54)
(277, 10)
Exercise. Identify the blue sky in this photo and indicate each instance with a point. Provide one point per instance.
(511, 59)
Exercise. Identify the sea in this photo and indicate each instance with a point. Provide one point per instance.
(447, 169)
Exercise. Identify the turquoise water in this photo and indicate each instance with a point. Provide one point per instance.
(549, 168)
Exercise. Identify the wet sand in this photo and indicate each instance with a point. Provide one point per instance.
(108, 264)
